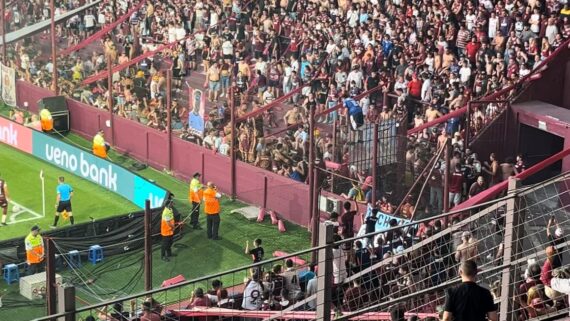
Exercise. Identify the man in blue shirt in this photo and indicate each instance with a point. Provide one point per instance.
(63, 201)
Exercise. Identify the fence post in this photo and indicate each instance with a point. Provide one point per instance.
(53, 46)
(2, 8)
(169, 115)
(110, 97)
(66, 301)
(374, 163)
(50, 277)
(447, 175)
(512, 234)
(467, 127)
(232, 144)
(325, 272)
(147, 246)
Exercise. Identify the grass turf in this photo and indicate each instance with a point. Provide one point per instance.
(22, 175)
(197, 256)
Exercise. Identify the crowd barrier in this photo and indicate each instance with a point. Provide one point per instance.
(254, 185)
(82, 163)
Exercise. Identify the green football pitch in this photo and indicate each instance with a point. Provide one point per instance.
(22, 175)
(21, 171)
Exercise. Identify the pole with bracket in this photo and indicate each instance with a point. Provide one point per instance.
(51, 286)
(513, 234)
(147, 246)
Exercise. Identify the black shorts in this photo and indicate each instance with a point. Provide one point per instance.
(3, 202)
(64, 206)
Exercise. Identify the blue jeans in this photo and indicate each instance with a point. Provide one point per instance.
(436, 199)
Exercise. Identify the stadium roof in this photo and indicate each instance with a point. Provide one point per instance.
(42, 25)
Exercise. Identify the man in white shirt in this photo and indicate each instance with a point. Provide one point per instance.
(89, 21)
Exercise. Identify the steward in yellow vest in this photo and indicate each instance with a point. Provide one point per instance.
(99, 145)
(195, 195)
(167, 225)
(46, 120)
(34, 250)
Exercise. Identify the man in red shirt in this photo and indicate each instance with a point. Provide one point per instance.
(455, 186)
(347, 221)
(415, 87)
(471, 48)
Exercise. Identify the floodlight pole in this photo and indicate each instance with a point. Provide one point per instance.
(53, 45)
(110, 96)
(169, 115)
(147, 246)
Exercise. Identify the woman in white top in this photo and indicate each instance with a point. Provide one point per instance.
(493, 25)
(339, 263)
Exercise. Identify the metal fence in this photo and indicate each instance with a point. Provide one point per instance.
(404, 268)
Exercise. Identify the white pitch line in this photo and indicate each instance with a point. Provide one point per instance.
(24, 209)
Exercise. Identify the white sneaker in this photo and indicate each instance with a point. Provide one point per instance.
(222, 95)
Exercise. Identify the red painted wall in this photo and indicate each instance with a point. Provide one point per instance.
(285, 196)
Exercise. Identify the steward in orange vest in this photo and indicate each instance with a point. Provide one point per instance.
(34, 250)
(100, 148)
(46, 121)
(212, 210)
(195, 196)
(167, 224)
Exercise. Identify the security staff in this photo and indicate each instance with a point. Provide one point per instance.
(100, 148)
(34, 250)
(46, 121)
(63, 201)
(167, 224)
(212, 210)
(195, 196)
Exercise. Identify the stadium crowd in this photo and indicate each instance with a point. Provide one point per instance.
(433, 57)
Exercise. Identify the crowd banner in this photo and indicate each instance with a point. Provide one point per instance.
(82, 163)
(197, 111)
(99, 34)
(8, 76)
(383, 222)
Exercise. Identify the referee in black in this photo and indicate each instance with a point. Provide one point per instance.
(63, 201)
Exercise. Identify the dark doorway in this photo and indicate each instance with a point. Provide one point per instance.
(537, 145)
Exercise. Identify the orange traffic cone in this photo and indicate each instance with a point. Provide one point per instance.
(261, 215)
(273, 217)
(281, 226)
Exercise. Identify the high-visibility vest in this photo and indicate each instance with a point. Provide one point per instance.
(46, 120)
(99, 148)
(195, 192)
(167, 218)
(34, 248)
(211, 202)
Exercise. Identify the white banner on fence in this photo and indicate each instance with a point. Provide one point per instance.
(8, 86)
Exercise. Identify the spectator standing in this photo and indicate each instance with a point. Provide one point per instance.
(347, 221)
(455, 186)
(469, 301)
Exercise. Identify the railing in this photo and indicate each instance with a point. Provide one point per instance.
(408, 266)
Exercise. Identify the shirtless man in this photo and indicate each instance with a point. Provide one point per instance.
(432, 113)
(508, 168)
(292, 116)
(467, 250)
(386, 114)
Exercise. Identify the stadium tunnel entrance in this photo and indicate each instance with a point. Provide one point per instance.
(543, 130)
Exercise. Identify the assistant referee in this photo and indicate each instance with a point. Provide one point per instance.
(63, 200)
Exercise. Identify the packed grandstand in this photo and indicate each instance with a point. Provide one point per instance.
(397, 108)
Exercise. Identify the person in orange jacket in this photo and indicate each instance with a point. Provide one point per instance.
(212, 210)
